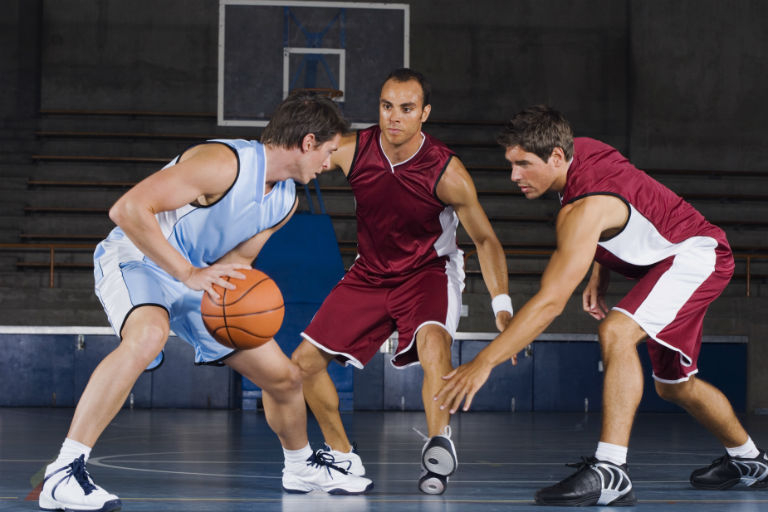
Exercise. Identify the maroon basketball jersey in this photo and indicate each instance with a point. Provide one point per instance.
(660, 224)
(401, 224)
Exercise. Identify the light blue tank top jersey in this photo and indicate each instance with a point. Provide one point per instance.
(203, 234)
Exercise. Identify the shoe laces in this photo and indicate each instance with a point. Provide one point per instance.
(77, 470)
(325, 459)
(584, 463)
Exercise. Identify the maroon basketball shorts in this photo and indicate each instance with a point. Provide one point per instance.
(669, 303)
(358, 317)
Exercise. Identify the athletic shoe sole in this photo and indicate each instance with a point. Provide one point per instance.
(432, 484)
(50, 505)
(337, 491)
(439, 457)
(589, 500)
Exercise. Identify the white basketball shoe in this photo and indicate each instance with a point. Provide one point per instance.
(320, 473)
(71, 488)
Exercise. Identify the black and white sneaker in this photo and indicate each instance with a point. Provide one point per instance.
(439, 454)
(727, 471)
(438, 457)
(595, 482)
(432, 483)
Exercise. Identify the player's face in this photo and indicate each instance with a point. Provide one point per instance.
(318, 159)
(401, 111)
(533, 175)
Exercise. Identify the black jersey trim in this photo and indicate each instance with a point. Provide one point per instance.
(440, 176)
(618, 196)
(217, 362)
(237, 156)
(354, 155)
(137, 306)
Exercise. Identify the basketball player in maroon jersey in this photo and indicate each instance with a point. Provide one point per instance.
(615, 217)
(411, 192)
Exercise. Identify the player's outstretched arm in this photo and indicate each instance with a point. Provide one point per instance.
(457, 189)
(579, 226)
(204, 174)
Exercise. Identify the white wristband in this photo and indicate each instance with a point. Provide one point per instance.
(501, 302)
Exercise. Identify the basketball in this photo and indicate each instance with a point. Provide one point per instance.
(248, 316)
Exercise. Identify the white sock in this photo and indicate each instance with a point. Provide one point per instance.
(70, 450)
(611, 453)
(297, 456)
(746, 451)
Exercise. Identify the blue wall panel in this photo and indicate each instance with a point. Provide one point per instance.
(508, 387)
(181, 383)
(37, 370)
(565, 375)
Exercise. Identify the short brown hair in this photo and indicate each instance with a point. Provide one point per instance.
(539, 130)
(301, 113)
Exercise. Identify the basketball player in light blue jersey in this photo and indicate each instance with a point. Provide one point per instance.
(202, 218)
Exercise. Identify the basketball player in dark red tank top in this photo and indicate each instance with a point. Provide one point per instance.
(623, 220)
(410, 193)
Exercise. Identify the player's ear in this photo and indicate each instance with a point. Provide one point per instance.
(308, 142)
(425, 113)
(557, 157)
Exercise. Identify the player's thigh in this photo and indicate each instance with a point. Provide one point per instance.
(352, 323)
(266, 366)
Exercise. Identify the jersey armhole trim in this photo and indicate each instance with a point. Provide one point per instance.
(237, 156)
(354, 156)
(613, 194)
(440, 176)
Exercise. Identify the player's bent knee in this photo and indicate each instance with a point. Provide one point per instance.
(308, 360)
(144, 344)
(674, 393)
(285, 381)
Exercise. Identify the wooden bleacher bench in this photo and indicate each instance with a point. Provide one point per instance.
(99, 158)
(127, 113)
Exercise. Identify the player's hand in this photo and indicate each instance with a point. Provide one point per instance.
(462, 384)
(502, 320)
(204, 278)
(593, 299)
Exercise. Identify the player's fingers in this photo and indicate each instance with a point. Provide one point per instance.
(236, 275)
(212, 293)
(450, 375)
(513, 360)
(468, 400)
(456, 403)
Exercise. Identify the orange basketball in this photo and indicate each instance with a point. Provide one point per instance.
(248, 316)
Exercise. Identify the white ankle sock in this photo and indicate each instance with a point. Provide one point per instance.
(746, 451)
(70, 450)
(611, 453)
(297, 456)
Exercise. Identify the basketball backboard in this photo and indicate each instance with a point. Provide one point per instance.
(269, 48)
